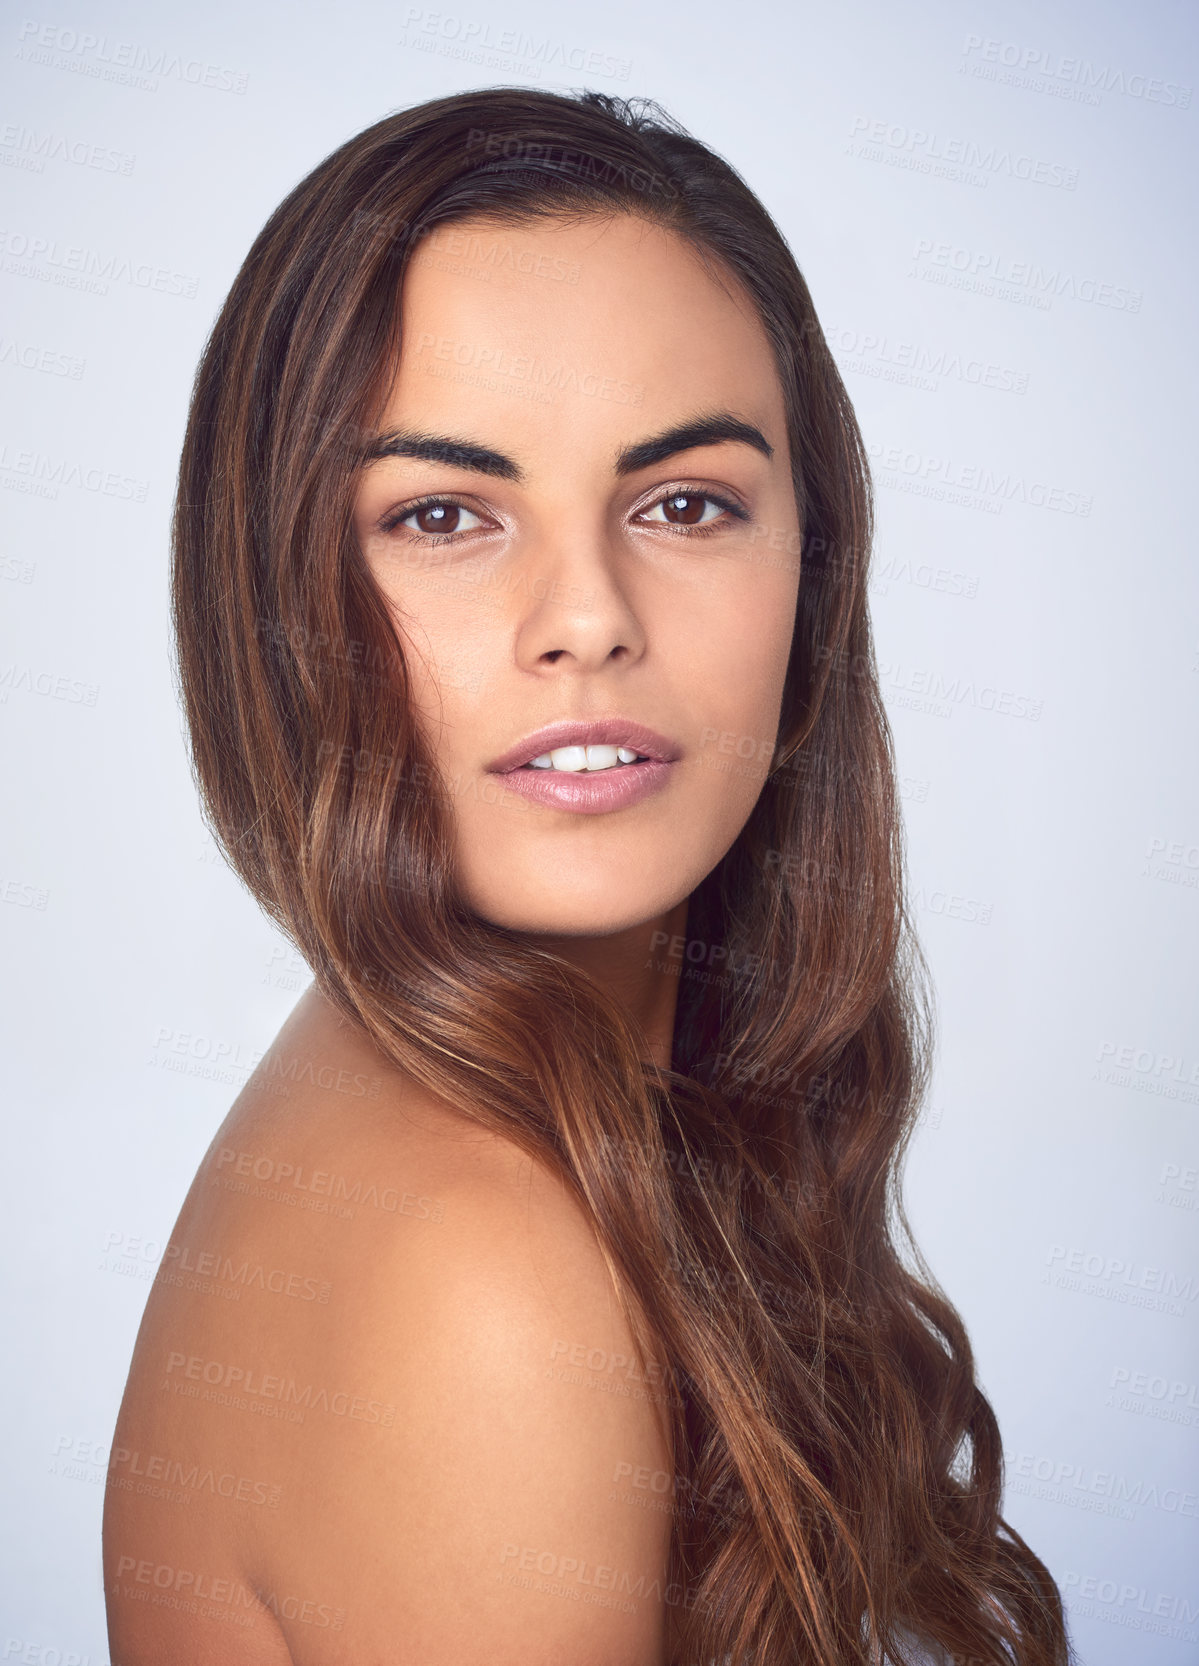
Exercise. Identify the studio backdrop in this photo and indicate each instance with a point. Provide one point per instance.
(993, 207)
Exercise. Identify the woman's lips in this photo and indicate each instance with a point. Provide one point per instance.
(590, 792)
(596, 731)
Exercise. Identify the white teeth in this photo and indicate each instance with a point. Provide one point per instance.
(577, 758)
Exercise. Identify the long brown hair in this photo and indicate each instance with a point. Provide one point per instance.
(838, 1468)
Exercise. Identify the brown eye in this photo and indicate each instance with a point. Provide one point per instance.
(690, 509)
(684, 508)
(437, 517)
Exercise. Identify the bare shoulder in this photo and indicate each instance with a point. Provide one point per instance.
(385, 1403)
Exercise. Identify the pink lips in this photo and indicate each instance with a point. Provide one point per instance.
(589, 792)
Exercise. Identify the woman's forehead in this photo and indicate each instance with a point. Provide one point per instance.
(605, 325)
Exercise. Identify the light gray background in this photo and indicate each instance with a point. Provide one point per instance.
(1041, 667)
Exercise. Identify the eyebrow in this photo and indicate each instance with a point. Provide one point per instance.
(439, 448)
(716, 429)
(721, 427)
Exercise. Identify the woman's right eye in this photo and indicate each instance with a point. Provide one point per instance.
(436, 518)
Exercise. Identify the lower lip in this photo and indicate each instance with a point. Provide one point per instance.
(590, 792)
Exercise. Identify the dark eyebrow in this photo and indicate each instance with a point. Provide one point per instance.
(716, 429)
(438, 448)
(684, 436)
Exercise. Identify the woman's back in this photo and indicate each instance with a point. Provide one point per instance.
(385, 1405)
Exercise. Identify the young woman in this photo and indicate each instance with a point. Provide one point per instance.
(540, 1300)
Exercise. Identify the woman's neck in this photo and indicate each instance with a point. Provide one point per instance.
(640, 966)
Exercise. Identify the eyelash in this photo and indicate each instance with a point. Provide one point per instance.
(391, 522)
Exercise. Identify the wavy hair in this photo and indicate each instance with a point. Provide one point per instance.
(838, 1469)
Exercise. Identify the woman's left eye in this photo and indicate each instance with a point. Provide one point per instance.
(690, 509)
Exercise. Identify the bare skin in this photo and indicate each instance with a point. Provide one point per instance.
(481, 1471)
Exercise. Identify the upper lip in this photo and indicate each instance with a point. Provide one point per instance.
(599, 731)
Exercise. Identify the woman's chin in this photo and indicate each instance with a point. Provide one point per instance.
(573, 911)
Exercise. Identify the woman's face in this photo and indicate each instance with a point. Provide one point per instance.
(574, 519)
